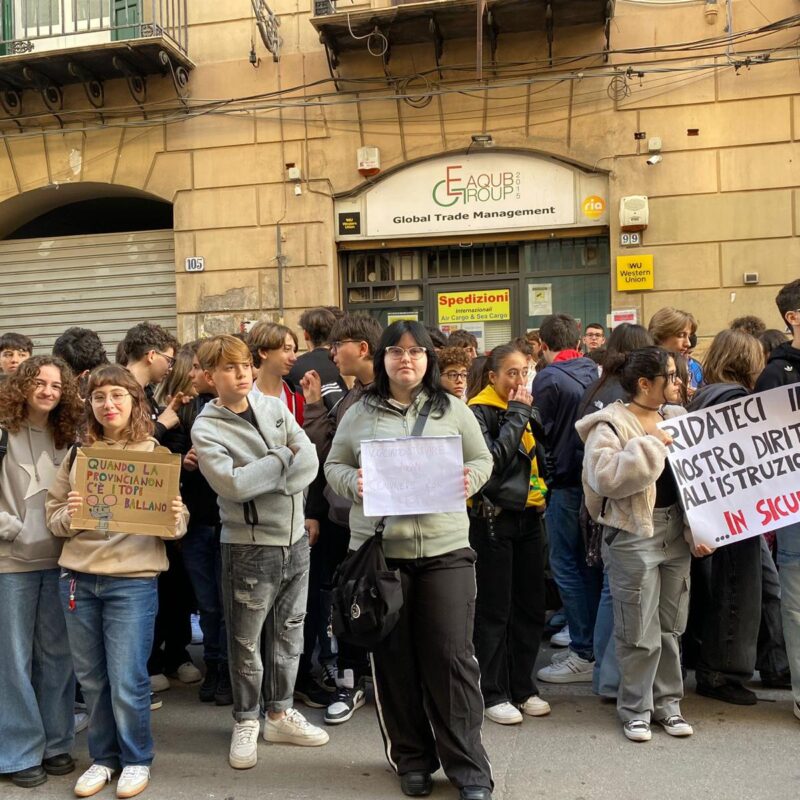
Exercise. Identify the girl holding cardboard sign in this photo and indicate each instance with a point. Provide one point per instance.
(39, 414)
(109, 594)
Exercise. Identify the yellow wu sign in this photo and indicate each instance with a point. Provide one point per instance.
(635, 273)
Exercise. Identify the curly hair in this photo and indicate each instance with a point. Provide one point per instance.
(453, 357)
(140, 426)
(65, 420)
(143, 338)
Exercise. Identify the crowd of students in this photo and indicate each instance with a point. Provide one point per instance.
(569, 502)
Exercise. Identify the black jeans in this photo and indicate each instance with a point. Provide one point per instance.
(426, 676)
(771, 661)
(510, 608)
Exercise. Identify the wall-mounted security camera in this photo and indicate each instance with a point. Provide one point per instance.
(655, 159)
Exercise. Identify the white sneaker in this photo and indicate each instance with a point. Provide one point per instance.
(534, 706)
(294, 728)
(188, 673)
(93, 780)
(244, 741)
(503, 714)
(637, 730)
(572, 669)
(560, 655)
(676, 725)
(133, 781)
(81, 721)
(159, 683)
(561, 639)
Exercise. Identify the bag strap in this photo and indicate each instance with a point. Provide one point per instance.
(3, 444)
(419, 424)
(73, 452)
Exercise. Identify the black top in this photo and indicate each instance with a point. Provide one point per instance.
(666, 489)
(782, 368)
(248, 415)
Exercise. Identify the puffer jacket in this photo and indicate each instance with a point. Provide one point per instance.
(621, 465)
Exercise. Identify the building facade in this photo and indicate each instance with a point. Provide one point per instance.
(461, 162)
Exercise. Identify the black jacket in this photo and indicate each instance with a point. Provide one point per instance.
(716, 393)
(199, 497)
(155, 412)
(509, 485)
(782, 368)
(557, 393)
(594, 399)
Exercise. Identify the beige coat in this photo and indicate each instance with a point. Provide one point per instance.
(621, 464)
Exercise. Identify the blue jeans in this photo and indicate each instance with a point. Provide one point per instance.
(37, 684)
(578, 584)
(605, 677)
(789, 571)
(111, 633)
(202, 558)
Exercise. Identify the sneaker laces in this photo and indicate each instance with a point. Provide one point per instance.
(330, 674)
(244, 734)
(97, 771)
(296, 718)
(135, 773)
(675, 720)
(637, 725)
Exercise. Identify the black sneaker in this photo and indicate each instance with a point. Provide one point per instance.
(62, 764)
(729, 693)
(327, 679)
(28, 778)
(223, 694)
(308, 691)
(345, 704)
(416, 783)
(208, 687)
(155, 701)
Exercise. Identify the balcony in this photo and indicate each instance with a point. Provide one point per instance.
(47, 44)
(343, 27)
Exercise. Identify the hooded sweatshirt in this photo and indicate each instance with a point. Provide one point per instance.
(557, 393)
(258, 472)
(782, 368)
(524, 450)
(26, 544)
(620, 468)
(120, 555)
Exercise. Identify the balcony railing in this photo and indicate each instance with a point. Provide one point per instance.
(35, 26)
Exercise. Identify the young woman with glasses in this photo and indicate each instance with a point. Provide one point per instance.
(630, 489)
(425, 673)
(39, 415)
(454, 363)
(109, 593)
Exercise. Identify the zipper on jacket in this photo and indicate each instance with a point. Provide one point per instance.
(248, 518)
(291, 528)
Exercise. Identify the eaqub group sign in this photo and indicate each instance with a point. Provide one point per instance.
(737, 466)
(127, 491)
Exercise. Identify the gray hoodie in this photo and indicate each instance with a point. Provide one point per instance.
(259, 474)
(26, 544)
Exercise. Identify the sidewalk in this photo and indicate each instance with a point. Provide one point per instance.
(577, 753)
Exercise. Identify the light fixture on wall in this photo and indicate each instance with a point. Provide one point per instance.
(482, 140)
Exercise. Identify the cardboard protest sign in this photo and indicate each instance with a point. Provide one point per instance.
(737, 465)
(127, 491)
(413, 475)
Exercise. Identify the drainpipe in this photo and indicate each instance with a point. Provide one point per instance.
(281, 259)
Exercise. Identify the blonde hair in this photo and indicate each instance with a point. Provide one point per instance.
(734, 357)
(222, 349)
(268, 336)
(668, 322)
(179, 378)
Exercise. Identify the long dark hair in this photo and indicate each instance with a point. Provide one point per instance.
(624, 339)
(380, 390)
(646, 362)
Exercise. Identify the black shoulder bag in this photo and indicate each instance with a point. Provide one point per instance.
(366, 596)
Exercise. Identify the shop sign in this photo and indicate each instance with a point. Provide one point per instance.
(620, 315)
(404, 316)
(350, 223)
(497, 191)
(635, 273)
(476, 306)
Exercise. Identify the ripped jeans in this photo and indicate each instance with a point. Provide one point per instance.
(264, 590)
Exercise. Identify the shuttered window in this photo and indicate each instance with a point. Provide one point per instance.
(106, 282)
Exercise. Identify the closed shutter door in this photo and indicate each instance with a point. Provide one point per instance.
(106, 282)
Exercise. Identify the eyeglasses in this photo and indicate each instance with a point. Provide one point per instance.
(672, 377)
(455, 376)
(414, 353)
(339, 342)
(169, 359)
(117, 398)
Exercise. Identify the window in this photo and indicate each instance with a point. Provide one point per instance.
(40, 13)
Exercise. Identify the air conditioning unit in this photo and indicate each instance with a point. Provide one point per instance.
(322, 8)
(634, 213)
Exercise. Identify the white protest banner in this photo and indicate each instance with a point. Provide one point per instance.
(413, 475)
(737, 465)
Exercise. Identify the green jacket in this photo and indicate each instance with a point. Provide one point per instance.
(413, 536)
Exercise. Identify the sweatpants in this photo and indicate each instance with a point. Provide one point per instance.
(649, 581)
(425, 674)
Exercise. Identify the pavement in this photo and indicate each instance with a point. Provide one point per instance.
(576, 753)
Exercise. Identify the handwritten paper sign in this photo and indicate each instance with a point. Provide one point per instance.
(737, 465)
(413, 475)
(127, 491)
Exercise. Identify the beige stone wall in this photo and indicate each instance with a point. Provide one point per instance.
(722, 203)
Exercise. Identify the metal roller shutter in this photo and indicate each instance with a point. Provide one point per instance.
(106, 282)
